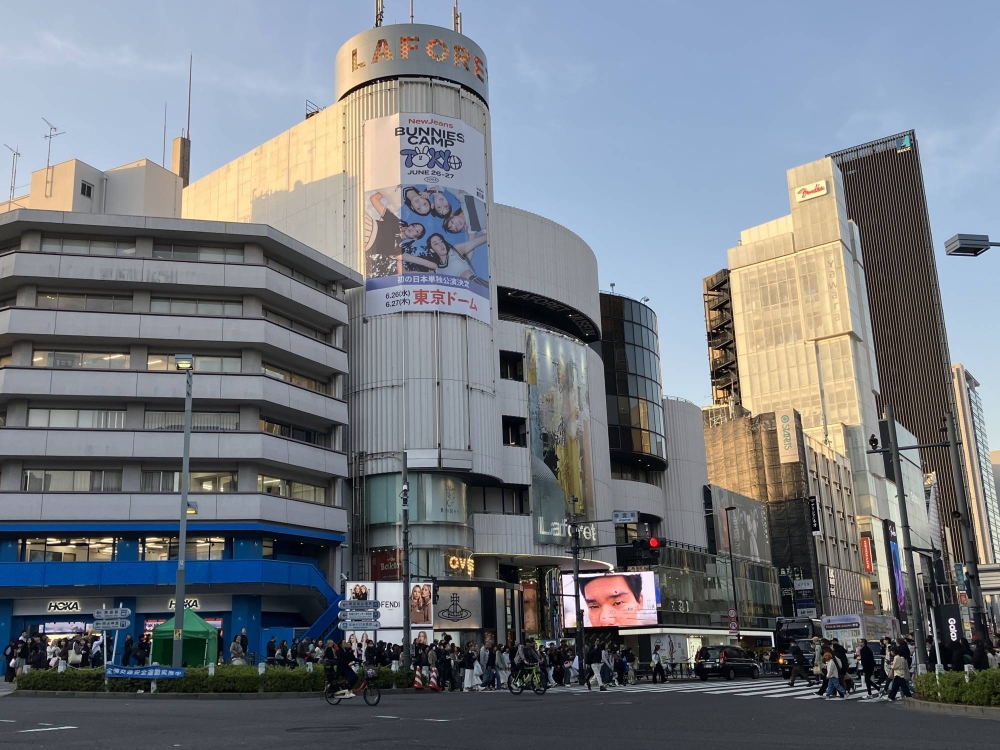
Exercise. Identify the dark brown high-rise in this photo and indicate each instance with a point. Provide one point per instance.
(884, 188)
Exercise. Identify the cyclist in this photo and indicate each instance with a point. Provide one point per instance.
(342, 657)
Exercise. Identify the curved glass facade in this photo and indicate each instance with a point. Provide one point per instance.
(630, 349)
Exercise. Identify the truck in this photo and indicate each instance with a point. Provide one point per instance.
(850, 629)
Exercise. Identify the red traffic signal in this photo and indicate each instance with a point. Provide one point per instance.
(657, 542)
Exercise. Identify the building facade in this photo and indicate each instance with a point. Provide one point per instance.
(883, 195)
(95, 308)
(979, 480)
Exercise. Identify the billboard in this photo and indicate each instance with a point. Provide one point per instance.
(390, 596)
(614, 600)
(562, 472)
(750, 535)
(788, 436)
(421, 604)
(896, 566)
(425, 225)
(458, 608)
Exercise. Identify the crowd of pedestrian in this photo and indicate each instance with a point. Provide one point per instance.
(41, 652)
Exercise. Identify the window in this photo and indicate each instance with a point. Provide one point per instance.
(6, 360)
(71, 480)
(67, 301)
(284, 320)
(297, 275)
(89, 419)
(193, 252)
(512, 366)
(86, 189)
(197, 548)
(9, 302)
(304, 434)
(87, 246)
(201, 421)
(201, 481)
(81, 360)
(515, 431)
(69, 550)
(202, 363)
(309, 493)
(196, 307)
(294, 378)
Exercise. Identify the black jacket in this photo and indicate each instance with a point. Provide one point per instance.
(867, 659)
(798, 656)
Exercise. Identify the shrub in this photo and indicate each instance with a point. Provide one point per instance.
(74, 680)
(982, 689)
(298, 680)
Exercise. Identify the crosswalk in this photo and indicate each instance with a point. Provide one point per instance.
(746, 688)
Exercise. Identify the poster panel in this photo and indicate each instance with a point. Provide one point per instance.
(425, 223)
(458, 607)
(673, 647)
(788, 436)
(749, 533)
(390, 596)
(562, 472)
(612, 600)
(360, 590)
(420, 601)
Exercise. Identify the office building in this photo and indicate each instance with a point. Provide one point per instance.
(95, 310)
(979, 480)
(883, 195)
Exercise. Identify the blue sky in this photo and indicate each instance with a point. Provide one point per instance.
(655, 130)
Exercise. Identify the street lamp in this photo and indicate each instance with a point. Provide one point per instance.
(185, 364)
(969, 245)
(732, 564)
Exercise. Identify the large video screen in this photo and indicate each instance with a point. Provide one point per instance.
(613, 600)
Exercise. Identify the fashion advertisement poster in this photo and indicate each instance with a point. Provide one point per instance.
(617, 600)
(562, 473)
(421, 605)
(749, 532)
(458, 608)
(425, 224)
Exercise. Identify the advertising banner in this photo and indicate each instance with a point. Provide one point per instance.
(788, 436)
(458, 608)
(390, 596)
(421, 605)
(562, 472)
(749, 533)
(425, 227)
(896, 566)
(614, 600)
(360, 591)
(385, 565)
(673, 648)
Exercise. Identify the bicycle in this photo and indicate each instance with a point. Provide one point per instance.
(366, 686)
(529, 676)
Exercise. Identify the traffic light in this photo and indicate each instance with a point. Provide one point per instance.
(642, 544)
(655, 545)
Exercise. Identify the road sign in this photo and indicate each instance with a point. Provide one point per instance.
(806, 611)
(356, 605)
(803, 584)
(112, 624)
(733, 626)
(112, 614)
(731, 613)
(625, 516)
(361, 614)
(359, 624)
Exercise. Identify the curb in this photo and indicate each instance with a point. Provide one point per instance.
(181, 696)
(951, 709)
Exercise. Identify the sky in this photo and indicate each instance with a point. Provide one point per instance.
(654, 130)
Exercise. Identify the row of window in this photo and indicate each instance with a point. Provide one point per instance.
(155, 549)
(630, 333)
(162, 362)
(635, 440)
(635, 412)
(622, 308)
(622, 384)
(631, 358)
(110, 480)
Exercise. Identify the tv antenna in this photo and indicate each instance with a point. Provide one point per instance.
(13, 169)
(163, 159)
(612, 287)
(411, 11)
(456, 19)
(48, 156)
(379, 12)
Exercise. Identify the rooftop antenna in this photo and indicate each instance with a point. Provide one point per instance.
(379, 12)
(48, 157)
(456, 19)
(163, 159)
(612, 287)
(13, 169)
(411, 11)
(190, 71)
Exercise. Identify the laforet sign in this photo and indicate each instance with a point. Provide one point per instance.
(411, 49)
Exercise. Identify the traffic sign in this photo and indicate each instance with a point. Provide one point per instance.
(731, 613)
(357, 604)
(112, 624)
(360, 614)
(733, 626)
(112, 614)
(625, 516)
(359, 624)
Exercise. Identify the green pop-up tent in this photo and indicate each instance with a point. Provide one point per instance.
(201, 642)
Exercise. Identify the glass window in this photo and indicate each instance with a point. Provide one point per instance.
(304, 434)
(69, 480)
(202, 363)
(293, 378)
(89, 360)
(183, 306)
(85, 246)
(309, 493)
(164, 251)
(200, 421)
(200, 481)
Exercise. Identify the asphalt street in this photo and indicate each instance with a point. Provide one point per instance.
(634, 718)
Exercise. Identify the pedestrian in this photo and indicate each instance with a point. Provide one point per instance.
(127, 649)
(10, 661)
(491, 680)
(845, 676)
(821, 646)
(900, 675)
(244, 642)
(237, 656)
(502, 666)
(657, 664)
(607, 666)
(271, 651)
(866, 663)
(469, 664)
(833, 675)
(980, 658)
(593, 665)
(798, 666)
(961, 655)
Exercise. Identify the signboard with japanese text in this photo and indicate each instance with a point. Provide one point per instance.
(425, 224)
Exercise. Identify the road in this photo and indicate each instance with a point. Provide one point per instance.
(635, 718)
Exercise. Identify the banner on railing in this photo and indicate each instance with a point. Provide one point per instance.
(144, 673)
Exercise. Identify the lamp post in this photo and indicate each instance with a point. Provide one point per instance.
(732, 563)
(184, 363)
(968, 245)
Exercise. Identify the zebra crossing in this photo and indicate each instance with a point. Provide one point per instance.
(772, 688)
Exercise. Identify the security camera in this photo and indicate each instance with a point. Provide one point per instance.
(343, 577)
(873, 442)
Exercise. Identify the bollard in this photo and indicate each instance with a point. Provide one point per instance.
(152, 686)
(211, 670)
(260, 668)
(309, 666)
(62, 666)
(969, 671)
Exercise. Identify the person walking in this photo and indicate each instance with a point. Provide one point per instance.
(502, 666)
(798, 666)
(469, 664)
(127, 650)
(833, 676)
(236, 653)
(820, 647)
(900, 675)
(961, 655)
(980, 657)
(657, 663)
(271, 650)
(866, 663)
(606, 666)
(593, 663)
(244, 643)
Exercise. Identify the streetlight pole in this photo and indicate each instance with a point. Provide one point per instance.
(976, 609)
(732, 564)
(405, 497)
(185, 363)
(574, 530)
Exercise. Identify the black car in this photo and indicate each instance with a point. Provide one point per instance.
(727, 661)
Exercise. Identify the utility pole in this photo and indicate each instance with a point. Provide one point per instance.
(976, 608)
(916, 616)
(405, 497)
(48, 156)
(732, 565)
(574, 531)
(13, 169)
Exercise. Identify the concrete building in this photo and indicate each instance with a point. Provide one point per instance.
(979, 479)
(94, 309)
(804, 339)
